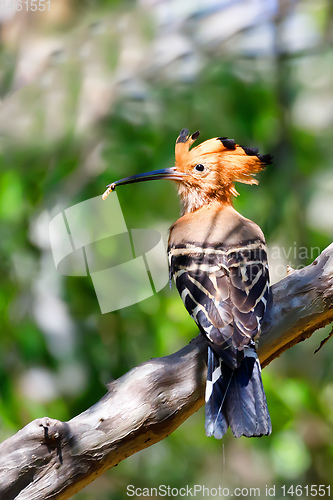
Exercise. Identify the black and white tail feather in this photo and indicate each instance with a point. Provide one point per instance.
(235, 398)
(226, 293)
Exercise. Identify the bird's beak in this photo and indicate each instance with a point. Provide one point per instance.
(165, 173)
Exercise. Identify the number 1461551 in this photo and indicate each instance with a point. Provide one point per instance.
(26, 5)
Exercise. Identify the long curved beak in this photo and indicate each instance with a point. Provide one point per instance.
(165, 173)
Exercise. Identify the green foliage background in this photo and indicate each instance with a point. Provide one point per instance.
(256, 99)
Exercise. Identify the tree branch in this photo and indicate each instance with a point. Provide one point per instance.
(49, 459)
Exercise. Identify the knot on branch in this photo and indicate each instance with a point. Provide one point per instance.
(56, 434)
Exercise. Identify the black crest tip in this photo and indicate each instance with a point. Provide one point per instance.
(183, 135)
(195, 135)
(250, 151)
(266, 159)
(227, 143)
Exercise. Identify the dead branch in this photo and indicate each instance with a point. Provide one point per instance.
(49, 459)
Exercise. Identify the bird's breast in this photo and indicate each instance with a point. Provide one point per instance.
(217, 228)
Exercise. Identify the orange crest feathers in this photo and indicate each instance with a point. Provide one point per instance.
(225, 161)
(183, 143)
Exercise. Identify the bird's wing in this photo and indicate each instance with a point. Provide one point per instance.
(225, 291)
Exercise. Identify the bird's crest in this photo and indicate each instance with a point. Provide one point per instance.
(229, 161)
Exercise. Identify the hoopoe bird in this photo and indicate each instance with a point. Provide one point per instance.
(218, 260)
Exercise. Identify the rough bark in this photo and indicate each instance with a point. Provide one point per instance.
(49, 459)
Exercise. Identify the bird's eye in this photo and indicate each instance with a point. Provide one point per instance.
(199, 168)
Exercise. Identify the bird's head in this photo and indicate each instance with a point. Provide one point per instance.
(207, 172)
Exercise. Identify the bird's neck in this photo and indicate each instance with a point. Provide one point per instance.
(193, 199)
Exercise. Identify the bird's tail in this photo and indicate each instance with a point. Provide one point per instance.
(236, 397)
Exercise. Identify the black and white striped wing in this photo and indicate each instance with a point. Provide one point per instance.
(225, 291)
(249, 290)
